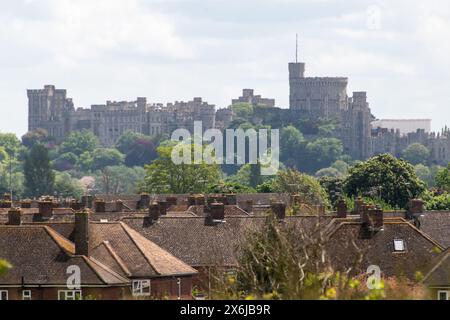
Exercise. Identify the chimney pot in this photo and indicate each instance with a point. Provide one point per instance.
(153, 211)
(144, 202)
(163, 205)
(217, 211)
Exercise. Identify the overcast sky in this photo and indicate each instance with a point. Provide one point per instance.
(398, 51)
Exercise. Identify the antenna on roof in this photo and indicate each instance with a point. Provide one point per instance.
(296, 48)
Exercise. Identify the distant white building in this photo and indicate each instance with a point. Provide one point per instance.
(404, 125)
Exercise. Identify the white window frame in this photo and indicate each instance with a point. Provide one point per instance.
(401, 243)
(26, 294)
(69, 295)
(4, 293)
(141, 288)
(446, 292)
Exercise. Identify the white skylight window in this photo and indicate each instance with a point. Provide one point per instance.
(399, 245)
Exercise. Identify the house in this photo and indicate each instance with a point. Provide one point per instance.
(112, 260)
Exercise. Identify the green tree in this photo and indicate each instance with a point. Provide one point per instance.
(229, 187)
(242, 111)
(424, 173)
(386, 177)
(307, 187)
(106, 158)
(322, 153)
(416, 153)
(443, 178)
(39, 176)
(33, 137)
(164, 176)
(65, 162)
(10, 144)
(119, 180)
(66, 186)
(79, 142)
(291, 145)
(328, 172)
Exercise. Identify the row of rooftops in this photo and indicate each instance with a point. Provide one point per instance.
(166, 235)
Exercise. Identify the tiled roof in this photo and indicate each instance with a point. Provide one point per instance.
(439, 275)
(350, 247)
(437, 225)
(197, 244)
(40, 256)
(139, 256)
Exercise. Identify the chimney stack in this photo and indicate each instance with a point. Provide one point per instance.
(100, 205)
(162, 204)
(25, 204)
(87, 201)
(341, 209)
(82, 232)
(45, 208)
(217, 211)
(153, 211)
(279, 210)
(144, 202)
(231, 199)
(416, 208)
(14, 217)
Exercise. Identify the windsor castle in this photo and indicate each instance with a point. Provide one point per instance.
(310, 97)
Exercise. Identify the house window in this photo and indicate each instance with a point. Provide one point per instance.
(69, 295)
(443, 295)
(3, 295)
(26, 295)
(399, 245)
(141, 288)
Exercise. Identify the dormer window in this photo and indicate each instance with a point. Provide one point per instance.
(399, 245)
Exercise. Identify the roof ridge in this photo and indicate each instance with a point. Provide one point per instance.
(133, 234)
(90, 260)
(445, 255)
(116, 257)
(425, 235)
(63, 243)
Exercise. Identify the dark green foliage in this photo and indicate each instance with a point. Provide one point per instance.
(39, 176)
(229, 187)
(438, 202)
(334, 188)
(79, 142)
(416, 153)
(386, 177)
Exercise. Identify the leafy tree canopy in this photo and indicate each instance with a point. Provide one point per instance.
(416, 153)
(392, 180)
(39, 176)
(79, 142)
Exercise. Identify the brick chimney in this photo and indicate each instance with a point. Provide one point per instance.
(153, 211)
(416, 208)
(82, 232)
(231, 199)
(14, 217)
(45, 208)
(25, 204)
(372, 218)
(217, 211)
(144, 202)
(100, 205)
(163, 205)
(87, 201)
(76, 206)
(278, 209)
(341, 209)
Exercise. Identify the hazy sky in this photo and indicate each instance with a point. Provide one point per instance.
(398, 51)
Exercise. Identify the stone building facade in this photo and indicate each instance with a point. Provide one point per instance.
(50, 109)
(248, 96)
(326, 98)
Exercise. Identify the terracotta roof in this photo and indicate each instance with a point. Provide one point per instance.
(230, 210)
(139, 256)
(40, 256)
